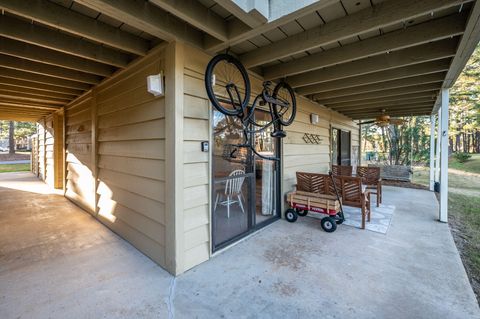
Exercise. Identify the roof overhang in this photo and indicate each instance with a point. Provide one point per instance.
(359, 57)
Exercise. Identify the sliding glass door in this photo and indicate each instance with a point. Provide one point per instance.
(245, 187)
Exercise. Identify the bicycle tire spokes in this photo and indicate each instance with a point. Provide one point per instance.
(227, 84)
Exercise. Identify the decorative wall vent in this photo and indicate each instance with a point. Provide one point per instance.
(312, 138)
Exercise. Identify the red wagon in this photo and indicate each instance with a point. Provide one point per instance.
(303, 202)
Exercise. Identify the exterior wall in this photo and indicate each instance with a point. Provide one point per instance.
(300, 156)
(115, 156)
(41, 149)
(196, 123)
(134, 160)
(131, 158)
(296, 154)
(80, 182)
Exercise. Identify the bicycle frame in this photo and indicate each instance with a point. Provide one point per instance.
(266, 99)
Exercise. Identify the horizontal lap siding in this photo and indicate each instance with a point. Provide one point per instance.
(49, 152)
(196, 181)
(297, 155)
(41, 149)
(300, 156)
(80, 182)
(131, 158)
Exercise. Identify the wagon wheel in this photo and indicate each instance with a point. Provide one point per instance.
(328, 224)
(291, 215)
(302, 213)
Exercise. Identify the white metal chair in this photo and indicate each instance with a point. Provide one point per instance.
(233, 188)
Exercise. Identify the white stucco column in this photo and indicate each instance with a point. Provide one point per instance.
(444, 159)
(437, 149)
(432, 151)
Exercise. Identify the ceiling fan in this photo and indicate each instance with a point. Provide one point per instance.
(384, 120)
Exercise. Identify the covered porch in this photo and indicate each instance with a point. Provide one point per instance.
(288, 270)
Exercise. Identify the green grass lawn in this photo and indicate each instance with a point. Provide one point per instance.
(464, 211)
(7, 168)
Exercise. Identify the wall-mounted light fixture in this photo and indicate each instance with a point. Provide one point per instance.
(155, 84)
(314, 118)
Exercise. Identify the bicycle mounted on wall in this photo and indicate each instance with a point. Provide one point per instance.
(228, 88)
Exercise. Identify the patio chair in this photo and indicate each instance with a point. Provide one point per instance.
(354, 194)
(344, 170)
(350, 189)
(233, 189)
(371, 178)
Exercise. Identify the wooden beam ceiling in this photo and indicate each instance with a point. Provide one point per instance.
(33, 96)
(44, 79)
(42, 55)
(249, 18)
(50, 70)
(240, 32)
(385, 93)
(417, 80)
(387, 99)
(29, 90)
(370, 19)
(434, 30)
(197, 15)
(148, 18)
(410, 56)
(393, 114)
(37, 35)
(377, 77)
(57, 16)
(28, 105)
(39, 86)
(389, 108)
(384, 105)
(28, 98)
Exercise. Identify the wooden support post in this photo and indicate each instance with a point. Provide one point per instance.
(432, 151)
(174, 236)
(444, 158)
(94, 150)
(437, 150)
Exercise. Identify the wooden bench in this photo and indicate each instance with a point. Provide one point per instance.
(350, 190)
(395, 172)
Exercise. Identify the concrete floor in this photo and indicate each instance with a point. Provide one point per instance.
(58, 262)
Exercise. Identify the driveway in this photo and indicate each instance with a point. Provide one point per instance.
(56, 261)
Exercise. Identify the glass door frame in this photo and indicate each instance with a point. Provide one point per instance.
(251, 213)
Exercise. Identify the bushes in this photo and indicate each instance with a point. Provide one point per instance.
(462, 157)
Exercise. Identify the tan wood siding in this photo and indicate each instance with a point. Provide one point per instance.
(131, 157)
(80, 181)
(297, 155)
(196, 179)
(41, 149)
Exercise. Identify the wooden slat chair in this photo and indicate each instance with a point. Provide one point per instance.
(313, 182)
(371, 178)
(343, 170)
(350, 189)
(356, 195)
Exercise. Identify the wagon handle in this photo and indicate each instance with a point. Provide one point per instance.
(336, 193)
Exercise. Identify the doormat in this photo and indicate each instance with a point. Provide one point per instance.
(380, 217)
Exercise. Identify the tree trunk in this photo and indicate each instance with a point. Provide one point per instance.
(457, 142)
(11, 137)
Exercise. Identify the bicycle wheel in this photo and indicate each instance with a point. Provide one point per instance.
(284, 112)
(227, 84)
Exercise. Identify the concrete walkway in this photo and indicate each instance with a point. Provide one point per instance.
(58, 262)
